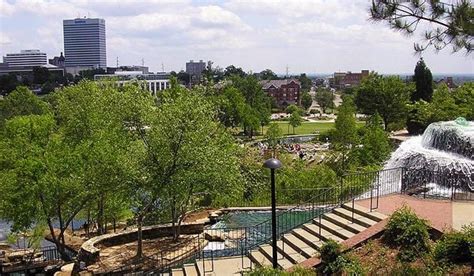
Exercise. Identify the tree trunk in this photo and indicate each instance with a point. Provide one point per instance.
(139, 238)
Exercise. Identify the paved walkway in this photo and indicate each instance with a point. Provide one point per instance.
(442, 214)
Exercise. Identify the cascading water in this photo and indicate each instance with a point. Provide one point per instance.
(443, 156)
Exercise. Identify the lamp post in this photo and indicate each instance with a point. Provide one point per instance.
(273, 164)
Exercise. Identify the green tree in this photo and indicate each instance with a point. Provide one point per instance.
(268, 74)
(295, 120)
(375, 143)
(192, 152)
(273, 134)
(293, 108)
(232, 107)
(21, 102)
(447, 24)
(41, 177)
(424, 82)
(41, 75)
(387, 96)
(306, 100)
(325, 99)
(345, 134)
(306, 82)
(8, 83)
(231, 70)
(443, 106)
(464, 98)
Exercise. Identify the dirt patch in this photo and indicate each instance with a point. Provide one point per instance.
(379, 259)
(156, 253)
(198, 215)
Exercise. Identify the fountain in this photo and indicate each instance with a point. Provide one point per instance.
(442, 158)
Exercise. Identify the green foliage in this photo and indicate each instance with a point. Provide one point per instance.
(8, 83)
(345, 134)
(375, 143)
(306, 82)
(455, 247)
(424, 82)
(325, 99)
(464, 98)
(268, 271)
(21, 102)
(405, 230)
(334, 261)
(450, 24)
(387, 96)
(268, 74)
(273, 133)
(293, 108)
(295, 120)
(306, 100)
(330, 251)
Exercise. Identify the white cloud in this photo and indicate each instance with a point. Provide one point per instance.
(6, 9)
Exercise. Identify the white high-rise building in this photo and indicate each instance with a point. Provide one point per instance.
(26, 58)
(84, 42)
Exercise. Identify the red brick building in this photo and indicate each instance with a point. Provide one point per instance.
(285, 92)
(341, 79)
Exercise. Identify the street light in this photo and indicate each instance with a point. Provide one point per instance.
(273, 164)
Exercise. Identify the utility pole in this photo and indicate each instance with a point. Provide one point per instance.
(117, 62)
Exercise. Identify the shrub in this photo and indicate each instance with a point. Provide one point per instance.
(455, 247)
(268, 271)
(407, 231)
(330, 251)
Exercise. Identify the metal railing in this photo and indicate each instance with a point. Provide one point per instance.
(239, 241)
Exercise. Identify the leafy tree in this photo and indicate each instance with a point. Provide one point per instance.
(89, 74)
(41, 75)
(306, 82)
(293, 108)
(295, 120)
(419, 117)
(345, 134)
(21, 102)
(8, 83)
(387, 96)
(189, 154)
(443, 106)
(464, 98)
(325, 99)
(231, 107)
(231, 70)
(375, 143)
(41, 177)
(448, 24)
(257, 111)
(306, 100)
(268, 74)
(424, 82)
(273, 134)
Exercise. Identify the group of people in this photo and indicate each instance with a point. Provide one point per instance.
(291, 148)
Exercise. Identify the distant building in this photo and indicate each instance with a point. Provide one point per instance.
(285, 92)
(195, 69)
(136, 68)
(57, 61)
(448, 81)
(349, 79)
(153, 82)
(84, 44)
(26, 58)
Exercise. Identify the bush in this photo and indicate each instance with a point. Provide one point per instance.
(407, 231)
(455, 247)
(268, 271)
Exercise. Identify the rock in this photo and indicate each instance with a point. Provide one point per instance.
(214, 235)
(68, 267)
(4, 246)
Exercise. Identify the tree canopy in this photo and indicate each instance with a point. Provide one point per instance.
(447, 23)
(423, 81)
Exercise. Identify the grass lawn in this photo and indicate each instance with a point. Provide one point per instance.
(307, 127)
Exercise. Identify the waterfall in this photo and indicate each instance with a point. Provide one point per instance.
(443, 156)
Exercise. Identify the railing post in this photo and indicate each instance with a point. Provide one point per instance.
(340, 191)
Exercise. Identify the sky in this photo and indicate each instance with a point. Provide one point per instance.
(311, 36)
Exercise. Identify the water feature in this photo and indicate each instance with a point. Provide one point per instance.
(442, 158)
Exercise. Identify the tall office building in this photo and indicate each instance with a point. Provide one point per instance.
(84, 42)
(26, 58)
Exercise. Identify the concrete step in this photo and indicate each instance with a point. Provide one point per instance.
(289, 252)
(205, 267)
(374, 215)
(283, 262)
(190, 270)
(335, 229)
(364, 221)
(259, 259)
(177, 272)
(325, 234)
(345, 223)
(309, 238)
(291, 240)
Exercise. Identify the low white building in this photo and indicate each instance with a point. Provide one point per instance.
(154, 82)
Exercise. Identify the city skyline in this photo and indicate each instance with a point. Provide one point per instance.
(312, 37)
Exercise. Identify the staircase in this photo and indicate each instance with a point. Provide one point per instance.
(294, 247)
